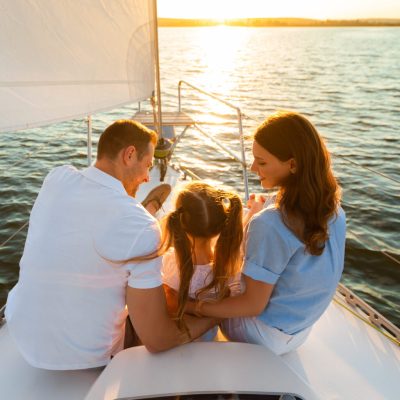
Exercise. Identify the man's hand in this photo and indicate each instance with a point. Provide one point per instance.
(156, 330)
(190, 307)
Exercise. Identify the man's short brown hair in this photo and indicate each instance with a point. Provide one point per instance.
(124, 133)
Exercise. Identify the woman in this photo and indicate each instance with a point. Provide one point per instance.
(294, 251)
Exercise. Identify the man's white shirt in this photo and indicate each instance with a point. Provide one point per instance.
(67, 310)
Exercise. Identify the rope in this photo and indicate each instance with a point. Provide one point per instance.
(384, 252)
(391, 257)
(367, 168)
(14, 234)
(392, 339)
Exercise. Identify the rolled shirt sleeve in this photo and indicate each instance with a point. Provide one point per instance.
(146, 274)
(134, 234)
(267, 250)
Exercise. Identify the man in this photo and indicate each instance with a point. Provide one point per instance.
(67, 310)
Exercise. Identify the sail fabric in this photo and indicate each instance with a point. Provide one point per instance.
(66, 59)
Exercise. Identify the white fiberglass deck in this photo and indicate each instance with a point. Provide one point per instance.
(214, 367)
(342, 359)
(18, 380)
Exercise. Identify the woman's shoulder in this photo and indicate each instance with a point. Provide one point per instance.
(341, 214)
(268, 226)
(339, 218)
(338, 221)
(268, 216)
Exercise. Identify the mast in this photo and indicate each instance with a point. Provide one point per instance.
(157, 65)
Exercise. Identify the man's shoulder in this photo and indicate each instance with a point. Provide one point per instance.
(133, 220)
(61, 170)
(60, 174)
(129, 232)
(133, 210)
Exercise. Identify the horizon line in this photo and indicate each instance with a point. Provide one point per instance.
(274, 18)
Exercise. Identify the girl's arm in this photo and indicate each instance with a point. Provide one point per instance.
(249, 304)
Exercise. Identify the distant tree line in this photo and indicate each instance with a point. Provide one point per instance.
(278, 22)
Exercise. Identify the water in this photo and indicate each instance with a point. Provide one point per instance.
(347, 80)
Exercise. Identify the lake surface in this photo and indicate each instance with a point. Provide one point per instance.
(346, 80)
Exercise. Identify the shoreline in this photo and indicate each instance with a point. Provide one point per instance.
(277, 22)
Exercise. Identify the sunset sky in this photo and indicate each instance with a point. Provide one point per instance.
(319, 9)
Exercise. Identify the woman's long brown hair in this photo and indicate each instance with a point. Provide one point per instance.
(311, 193)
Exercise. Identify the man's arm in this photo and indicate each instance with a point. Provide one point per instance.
(171, 296)
(156, 330)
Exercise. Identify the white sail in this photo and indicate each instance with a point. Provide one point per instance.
(72, 58)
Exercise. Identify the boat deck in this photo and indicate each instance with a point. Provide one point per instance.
(18, 380)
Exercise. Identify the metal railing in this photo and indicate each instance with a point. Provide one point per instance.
(241, 160)
(368, 314)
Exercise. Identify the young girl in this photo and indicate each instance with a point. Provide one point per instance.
(294, 251)
(194, 268)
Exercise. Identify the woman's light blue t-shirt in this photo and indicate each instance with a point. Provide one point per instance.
(304, 284)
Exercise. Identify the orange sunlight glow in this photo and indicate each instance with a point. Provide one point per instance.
(230, 9)
(227, 9)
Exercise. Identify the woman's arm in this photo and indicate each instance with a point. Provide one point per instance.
(249, 304)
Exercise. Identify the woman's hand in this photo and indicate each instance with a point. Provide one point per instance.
(255, 203)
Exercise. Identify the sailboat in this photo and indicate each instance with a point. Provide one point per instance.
(65, 60)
